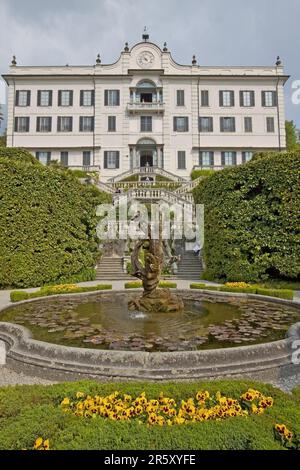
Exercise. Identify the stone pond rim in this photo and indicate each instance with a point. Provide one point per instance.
(267, 360)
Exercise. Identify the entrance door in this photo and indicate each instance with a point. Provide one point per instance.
(146, 160)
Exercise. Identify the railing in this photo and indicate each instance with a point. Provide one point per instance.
(144, 184)
(147, 170)
(87, 168)
(105, 187)
(140, 106)
(156, 195)
(185, 188)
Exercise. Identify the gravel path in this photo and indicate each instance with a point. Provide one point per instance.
(10, 377)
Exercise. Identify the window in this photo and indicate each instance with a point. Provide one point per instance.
(43, 124)
(181, 124)
(248, 124)
(270, 124)
(268, 99)
(86, 158)
(44, 98)
(206, 124)
(228, 158)
(246, 156)
(23, 98)
(227, 124)
(22, 124)
(65, 98)
(86, 123)
(204, 98)
(206, 158)
(64, 124)
(87, 98)
(112, 124)
(180, 98)
(111, 159)
(43, 157)
(64, 158)
(181, 161)
(146, 123)
(226, 98)
(112, 97)
(247, 98)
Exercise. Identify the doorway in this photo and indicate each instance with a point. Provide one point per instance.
(146, 97)
(146, 160)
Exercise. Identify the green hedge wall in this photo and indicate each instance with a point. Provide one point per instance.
(47, 223)
(252, 214)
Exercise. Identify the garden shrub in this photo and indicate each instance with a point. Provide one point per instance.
(48, 222)
(252, 215)
(197, 173)
(17, 296)
(139, 284)
(280, 293)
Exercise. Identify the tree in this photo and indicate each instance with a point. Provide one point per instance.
(2, 137)
(291, 136)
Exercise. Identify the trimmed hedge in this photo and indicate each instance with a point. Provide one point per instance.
(17, 296)
(252, 215)
(139, 285)
(197, 173)
(280, 293)
(29, 412)
(48, 222)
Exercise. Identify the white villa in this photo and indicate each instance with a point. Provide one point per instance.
(146, 110)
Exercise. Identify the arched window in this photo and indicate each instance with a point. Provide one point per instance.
(146, 84)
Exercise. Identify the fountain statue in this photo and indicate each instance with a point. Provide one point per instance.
(153, 298)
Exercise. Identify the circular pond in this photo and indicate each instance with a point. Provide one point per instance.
(103, 321)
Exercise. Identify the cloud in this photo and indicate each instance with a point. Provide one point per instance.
(218, 32)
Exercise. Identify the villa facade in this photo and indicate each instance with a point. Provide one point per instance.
(145, 110)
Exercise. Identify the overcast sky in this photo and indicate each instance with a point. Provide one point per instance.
(231, 32)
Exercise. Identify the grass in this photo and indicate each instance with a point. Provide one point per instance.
(28, 412)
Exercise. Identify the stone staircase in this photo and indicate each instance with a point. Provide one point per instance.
(111, 269)
(190, 267)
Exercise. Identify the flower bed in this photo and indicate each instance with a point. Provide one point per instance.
(244, 288)
(68, 416)
(139, 285)
(17, 296)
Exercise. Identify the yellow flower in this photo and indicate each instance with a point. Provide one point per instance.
(65, 402)
(46, 444)
(79, 395)
(38, 443)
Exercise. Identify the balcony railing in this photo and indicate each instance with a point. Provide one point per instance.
(136, 106)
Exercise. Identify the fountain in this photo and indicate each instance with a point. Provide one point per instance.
(153, 298)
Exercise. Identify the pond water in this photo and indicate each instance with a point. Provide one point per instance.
(103, 321)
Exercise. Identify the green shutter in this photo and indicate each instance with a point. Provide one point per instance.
(118, 159)
(232, 102)
(39, 98)
(17, 98)
(223, 158)
(80, 123)
(38, 124)
(252, 98)
(222, 124)
(211, 158)
(105, 159)
(28, 97)
(263, 99)
(81, 97)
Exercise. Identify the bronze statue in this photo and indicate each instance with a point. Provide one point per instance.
(152, 299)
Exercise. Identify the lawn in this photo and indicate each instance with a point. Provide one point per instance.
(31, 412)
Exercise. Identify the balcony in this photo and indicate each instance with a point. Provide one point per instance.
(140, 106)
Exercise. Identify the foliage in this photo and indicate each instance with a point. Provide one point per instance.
(27, 412)
(251, 289)
(252, 217)
(80, 173)
(291, 136)
(139, 285)
(17, 296)
(48, 222)
(197, 173)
